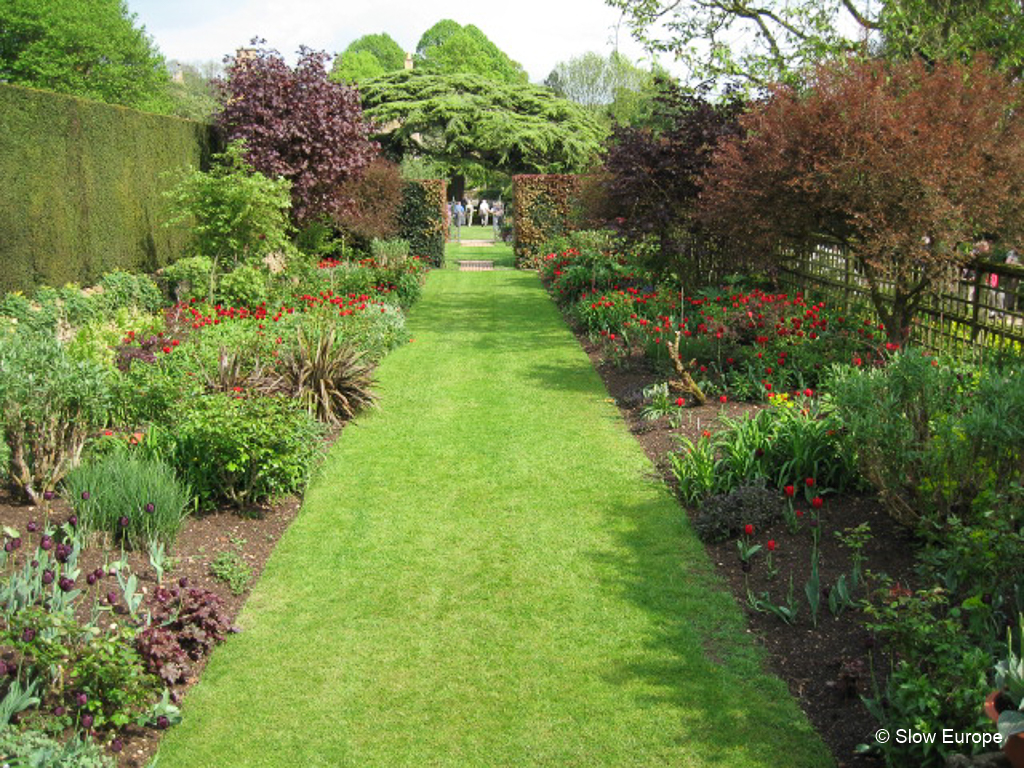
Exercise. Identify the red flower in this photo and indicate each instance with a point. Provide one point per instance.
(680, 402)
(770, 545)
(790, 491)
(817, 502)
(810, 482)
(748, 529)
(723, 399)
(167, 350)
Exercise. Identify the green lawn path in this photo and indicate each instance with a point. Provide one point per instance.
(484, 574)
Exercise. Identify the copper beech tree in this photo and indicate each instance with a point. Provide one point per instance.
(298, 125)
(907, 165)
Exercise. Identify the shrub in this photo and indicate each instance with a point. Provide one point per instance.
(244, 449)
(724, 516)
(297, 125)
(186, 624)
(49, 405)
(930, 438)
(98, 338)
(35, 748)
(126, 289)
(330, 379)
(234, 213)
(907, 164)
(134, 500)
(189, 278)
(244, 286)
(375, 198)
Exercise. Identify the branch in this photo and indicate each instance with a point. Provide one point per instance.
(859, 17)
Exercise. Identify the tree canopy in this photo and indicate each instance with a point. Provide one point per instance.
(766, 41)
(369, 56)
(465, 118)
(611, 87)
(89, 49)
(298, 125)
(448, 48)
(906, 164)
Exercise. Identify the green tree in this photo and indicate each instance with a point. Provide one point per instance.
(369, 56)
(459, 119)
(765, 41)
(450, 49)
(192, 91)
(954, 29)
(612, 87)
(91, 49)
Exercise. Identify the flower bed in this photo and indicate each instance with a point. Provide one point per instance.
(863, 501)
(155, 454)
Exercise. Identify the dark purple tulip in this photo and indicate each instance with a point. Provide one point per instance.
(98, 573)
(59, 711)
(28, 635)
(112, 598)
(48, 495)
(46, 543)
(87, 721)
(62, 553)
(90, 579)
(162, 722)
(32, 526)
(73, 520)
(85, 495)
(9, 545)
(35, 563)
(183, 582)
(116, 746)
(47, 577)
(82, 699)
(123, 522)
(66, 584)
(151, 507)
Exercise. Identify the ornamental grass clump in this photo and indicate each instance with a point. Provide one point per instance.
(331, 379)
(135, 500)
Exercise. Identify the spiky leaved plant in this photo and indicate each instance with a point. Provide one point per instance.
(333, 380)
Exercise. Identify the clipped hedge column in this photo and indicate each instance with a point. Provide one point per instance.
(422, 219)
(544, 206)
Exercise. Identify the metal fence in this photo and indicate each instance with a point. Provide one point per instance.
(982, 308)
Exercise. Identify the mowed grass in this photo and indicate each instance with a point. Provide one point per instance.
(484, 574)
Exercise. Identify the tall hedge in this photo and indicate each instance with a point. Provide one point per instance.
(81, 189)
(544, 207)
(422, 219)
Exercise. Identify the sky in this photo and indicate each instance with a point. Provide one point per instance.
(536, 33)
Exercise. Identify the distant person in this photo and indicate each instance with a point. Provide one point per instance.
(459, 219)
(485, 211)
(497, 214)
(469, 213)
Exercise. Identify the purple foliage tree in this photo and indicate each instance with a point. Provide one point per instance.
(296, 124)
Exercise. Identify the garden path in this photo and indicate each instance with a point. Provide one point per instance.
(484, 574)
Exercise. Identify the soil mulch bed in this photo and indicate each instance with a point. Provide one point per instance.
(826, 668)
(252, 535)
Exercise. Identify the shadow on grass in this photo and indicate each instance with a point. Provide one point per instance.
(698, 656)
